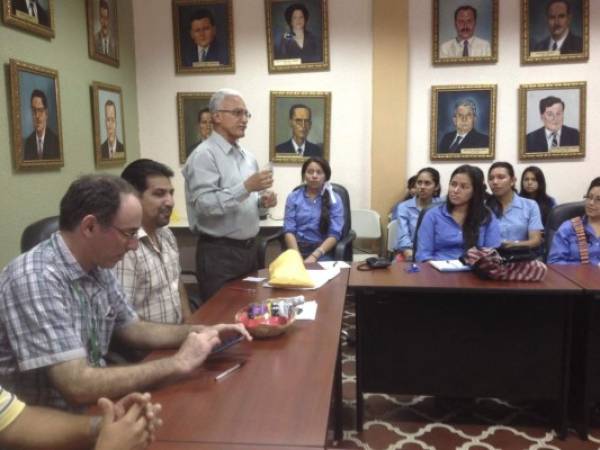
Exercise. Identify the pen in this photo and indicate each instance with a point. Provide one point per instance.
(334, 264)
(234, 288)
(228, 371)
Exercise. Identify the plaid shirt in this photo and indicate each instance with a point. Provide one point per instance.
(150, 277)
(51, 311)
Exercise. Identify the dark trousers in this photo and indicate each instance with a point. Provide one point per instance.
(221, 260)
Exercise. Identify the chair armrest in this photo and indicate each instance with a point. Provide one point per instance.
(264, 242)
(340, 247)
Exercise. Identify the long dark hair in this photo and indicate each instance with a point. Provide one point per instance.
(477, 213)
(325, 220)
(492, 202)
(540, 196)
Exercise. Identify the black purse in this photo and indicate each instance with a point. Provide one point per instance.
(518, 253)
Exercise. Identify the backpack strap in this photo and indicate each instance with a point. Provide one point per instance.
(584, 253)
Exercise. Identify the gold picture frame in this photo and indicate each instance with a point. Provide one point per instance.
(103, 31)
(40, 21)
(536, 40)
(192, 116)
(448, 15)
(284, 53)
(108, 116)
(35, 116)
(211, 22)
(564, 113)
(463, 122)
(311, 113)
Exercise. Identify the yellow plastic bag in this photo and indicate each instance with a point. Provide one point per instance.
(288, 271)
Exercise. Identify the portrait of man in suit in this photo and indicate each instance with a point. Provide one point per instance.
(561, 38)
(42, 143)
(32, 11)
(203, 129)
(465, 43)
(203, 45)
(111, 148)
(300, 122)
(465, 136)
(104, 40)
(554, 133)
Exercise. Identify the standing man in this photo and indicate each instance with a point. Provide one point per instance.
(465, 43)
(554, 133)
(225, 193)
(31, 10)
(300, 123)
(561, 38)
(60, 307)
(111, 148)
(42, 143)
(465, 136)
(105, 42)
(205, 46)
(150, 275)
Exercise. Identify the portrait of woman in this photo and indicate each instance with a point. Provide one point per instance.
(298, 42)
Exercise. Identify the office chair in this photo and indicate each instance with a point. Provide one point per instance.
(392, 236)
(557, 216)
(37, 232)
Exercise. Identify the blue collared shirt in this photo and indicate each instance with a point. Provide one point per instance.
(565, 248)
(521, 217)
(407, 214)
(303, 214)
(441, 237)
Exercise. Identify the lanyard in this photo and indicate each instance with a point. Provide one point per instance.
(90, 322)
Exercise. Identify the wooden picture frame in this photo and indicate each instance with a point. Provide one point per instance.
(35, 116)
(457, 21)
(109, 125)
(463, 122)
(540, 19)
(194, 121)
(38, 21)
(564, 114)
(299, 116)
(203, 36)
(284, 52)
(103, 31)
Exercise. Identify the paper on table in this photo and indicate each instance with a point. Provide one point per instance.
(319, 278)
(332, 264)
(254, 279)
(450, 265)
(308, 311)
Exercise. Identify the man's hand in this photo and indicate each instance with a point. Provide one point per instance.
(268, 199)
(151, 410)
(126, 433)
(237, 327)
(194, 350)
(259, 181)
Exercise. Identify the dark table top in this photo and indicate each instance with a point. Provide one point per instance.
(586, 276)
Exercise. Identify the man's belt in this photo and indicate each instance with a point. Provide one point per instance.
(240, 243)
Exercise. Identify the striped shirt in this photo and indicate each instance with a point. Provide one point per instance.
(10, 408)
(150, 277)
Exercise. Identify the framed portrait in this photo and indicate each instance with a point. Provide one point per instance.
(554, 31)
(300, 124)
(109, 125)
(203, 36)
(463, 122)
(194, 121)
(35, 114)
(297, 35)
(552, 120)
(35, 16)
(465, 32)
(103, 31)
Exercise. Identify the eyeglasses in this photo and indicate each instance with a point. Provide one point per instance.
(130, 235)
(238, 113)
(302, 121)
(592, 199)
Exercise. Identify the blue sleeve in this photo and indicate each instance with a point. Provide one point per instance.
(404, 239)
(492, 238)
(560, 252)
(336, 213)
(426, 237)
(535, 217)
(289, 219)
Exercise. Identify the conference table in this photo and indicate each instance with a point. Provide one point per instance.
(456, 335)
(282, 395)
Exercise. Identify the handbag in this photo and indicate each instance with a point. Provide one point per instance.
(517, 253)
(487, 263)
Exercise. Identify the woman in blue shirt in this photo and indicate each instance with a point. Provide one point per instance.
(520, 219)
(533, 186)
(461, 222)
(565, 245)
(407, 212)
(314, 213)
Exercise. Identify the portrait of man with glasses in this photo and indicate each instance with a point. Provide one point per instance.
(300, 124)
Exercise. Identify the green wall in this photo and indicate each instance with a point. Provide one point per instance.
(27, 196)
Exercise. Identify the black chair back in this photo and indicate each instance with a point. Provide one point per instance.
(557, 216)
(37, 232)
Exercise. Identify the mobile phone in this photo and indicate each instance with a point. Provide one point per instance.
(227, 341)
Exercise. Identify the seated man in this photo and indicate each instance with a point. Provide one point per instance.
(150, 274)
(60, 307)
(126, 425)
